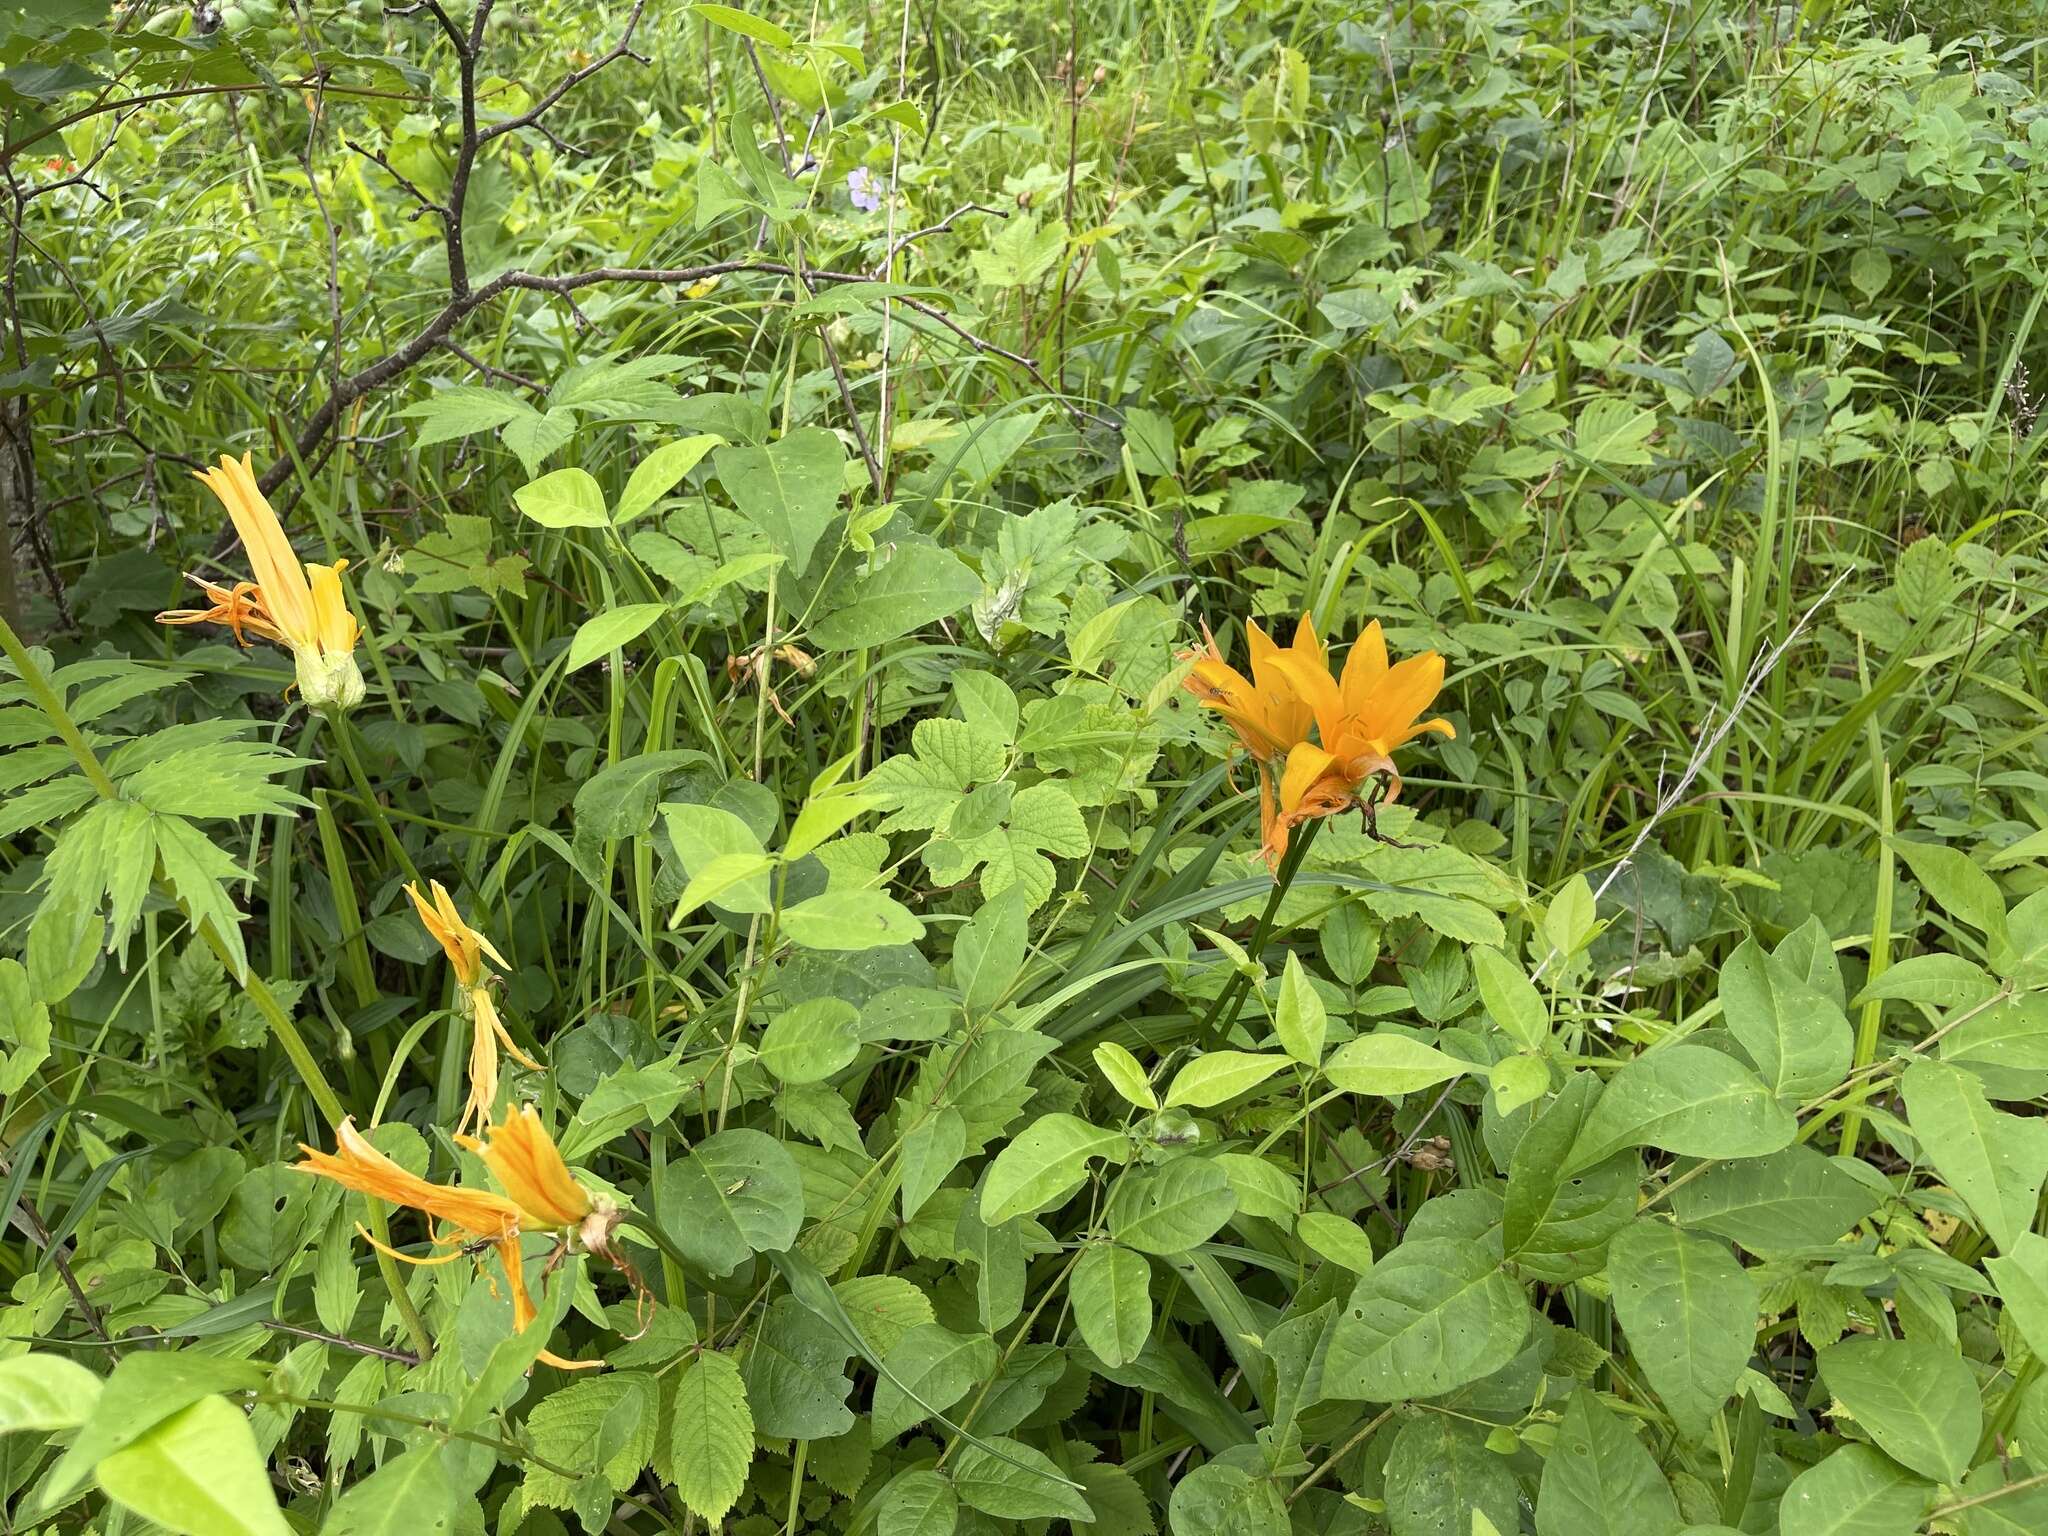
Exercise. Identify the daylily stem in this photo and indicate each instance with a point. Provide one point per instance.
(345, 737)
(1216, 1024)
(254, 987)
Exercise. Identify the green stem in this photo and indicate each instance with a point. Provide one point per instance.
(345, 737)
(1216, 1024)
(254, 987)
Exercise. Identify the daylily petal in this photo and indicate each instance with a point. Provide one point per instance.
(525, 1161)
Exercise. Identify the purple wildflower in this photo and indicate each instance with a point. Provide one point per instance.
(861, 188)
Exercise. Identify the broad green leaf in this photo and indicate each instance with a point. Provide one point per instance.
(45, 1392)
(568, 498)
(1336, 1238)
(146, 1388)
(1172, 1208)
(1688, 1099)
(930, 1367)
(1518, 1080)
(657, 474)
(795, 1374)
(196, 1472)
(1800, 1041)
(735, 20)
(1220, 1076)
(789, 490)
(462, 411)
(1855, 1492)
(1937, 981)
(989, 953)
(735, 881)
(919, 585)
(1111, 1289)
(1916, 1398)
(1511, 999)
(1958, 886)
(1794, 1198)
(1994, 1160)
(1690, 1313)
(711, 1436)
(598, 1431)
(611, 630)
(24, 1028)
(410, 1495)
(1125, 1074)
(850, 920)
(1553, 1214)
(736, 1194)
(1045, 1163)
(1387, 1064)
(1598, 1480)
(1020, 1484)
(702, 834)
(808, 1043)
(1440, 1474)
(932, 1148)
(1220, 1498)
(918, 1502)
(1430, 1316)
(1300, 1022)
(2022, 1280)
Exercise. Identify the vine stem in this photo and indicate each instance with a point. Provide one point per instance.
(253, 986)
(1222, 1014)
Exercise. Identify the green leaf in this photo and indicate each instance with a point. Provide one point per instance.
(1800, 1040)
(789, 490)
(2022, 1280)
(1220, 1076)
(1688, 1099)
(25, 1029)
(196, 1472)
(1690, 1313)
(462, 411)
(1793, 1199)
(703, 834)
(932, 1148)
(1439, 1474)
(1387, 1064)
(568, 498)
(918, 1502)
(599, 1428)
(1599, 1481)
(1428, 1317)
(1551, 1213)
(1171, 1209)
(141, 1392)
(1855, 1492)
(808, 1043)
(1020, 1484)
(711, 1438)
(1958, 886)
(1937, 981)
(45, 1392)
(736, 1194)
(657, 474)
(534, 435)
(1995, 1161)
(850, 920)
(1300, 1022)
(610, 631)
(1916, 1398)
(1125, 1074)
(1045, 1163)
(1111, 1289)
(1511, 999)
(410, 1495)
(795, 1374)
(1341, 1241)
(919, 585)
(1611, 431)
(734, 20)
(930, 1369)
(1220, 1498)
(989, 954)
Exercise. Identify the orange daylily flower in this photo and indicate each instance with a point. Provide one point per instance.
(465, 949)
(1362, 719)
(525, 1160)
(301, 607)
(476, 1216)
(1268, 712)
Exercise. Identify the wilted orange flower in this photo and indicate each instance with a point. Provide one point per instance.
(299, 606)
(1268, 712)
(1361, 719)
(465, 949)
(476, 1216)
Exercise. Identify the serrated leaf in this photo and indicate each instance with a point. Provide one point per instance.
(711, 1436)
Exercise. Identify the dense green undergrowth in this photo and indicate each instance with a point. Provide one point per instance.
(783, 459)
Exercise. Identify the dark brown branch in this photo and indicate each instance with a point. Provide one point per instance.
(426, 204)
(492, 370)
(530, 118)
(339, 1341)
(881, 268)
